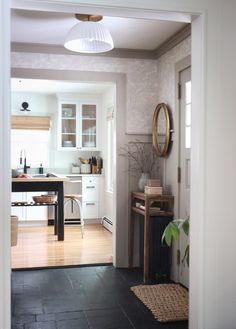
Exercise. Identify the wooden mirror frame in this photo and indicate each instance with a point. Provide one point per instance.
(155, 140)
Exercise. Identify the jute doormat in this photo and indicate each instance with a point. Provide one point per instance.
(167, 302)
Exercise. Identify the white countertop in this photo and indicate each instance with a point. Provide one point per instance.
(41, 179)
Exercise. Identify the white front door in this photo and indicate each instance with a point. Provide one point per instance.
(184, 164)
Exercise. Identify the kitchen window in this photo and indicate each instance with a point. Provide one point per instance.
(36, 144)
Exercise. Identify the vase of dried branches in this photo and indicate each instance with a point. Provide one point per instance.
(143, 181)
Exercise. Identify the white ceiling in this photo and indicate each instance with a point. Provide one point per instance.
(42, 27)
(51, 28)
(53, 87)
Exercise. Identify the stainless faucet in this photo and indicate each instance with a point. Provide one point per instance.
(21, 160)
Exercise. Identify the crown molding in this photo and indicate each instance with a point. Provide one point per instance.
(22, 47)
(173, 41)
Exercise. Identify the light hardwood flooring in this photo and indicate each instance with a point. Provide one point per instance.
(38, 247)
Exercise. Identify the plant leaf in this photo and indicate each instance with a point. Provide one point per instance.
(186, 255)
(185, 226)
(171, 232)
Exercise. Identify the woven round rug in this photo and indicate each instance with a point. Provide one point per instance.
(167, 302)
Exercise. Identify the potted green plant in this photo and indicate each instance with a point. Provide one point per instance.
(172, 232)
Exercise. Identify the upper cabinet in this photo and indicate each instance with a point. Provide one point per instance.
(78, 127)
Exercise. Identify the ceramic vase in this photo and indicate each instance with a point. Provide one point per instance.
(143, 181)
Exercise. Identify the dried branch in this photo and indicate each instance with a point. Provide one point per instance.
(142, 156)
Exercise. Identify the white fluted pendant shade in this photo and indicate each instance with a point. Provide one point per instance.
(89, 37)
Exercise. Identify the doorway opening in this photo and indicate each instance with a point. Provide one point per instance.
(197, 78)
(82, 113)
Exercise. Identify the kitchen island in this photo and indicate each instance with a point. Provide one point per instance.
(47, 184)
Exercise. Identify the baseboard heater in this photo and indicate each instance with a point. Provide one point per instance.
(107, 223)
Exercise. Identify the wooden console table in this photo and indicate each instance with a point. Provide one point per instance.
(166, 203)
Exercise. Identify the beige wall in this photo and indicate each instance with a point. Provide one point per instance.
(142, 80)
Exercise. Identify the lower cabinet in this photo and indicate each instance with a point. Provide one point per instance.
(91, 190)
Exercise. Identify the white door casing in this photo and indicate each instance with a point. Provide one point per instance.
(184, 164)
(200, 84)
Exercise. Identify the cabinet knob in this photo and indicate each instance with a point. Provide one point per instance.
(90, 204)
(90, 186)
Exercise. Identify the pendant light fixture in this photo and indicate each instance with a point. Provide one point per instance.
(89, 36)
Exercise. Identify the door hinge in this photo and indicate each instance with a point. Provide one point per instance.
(178, 174)
(179, 90)
(178, 257)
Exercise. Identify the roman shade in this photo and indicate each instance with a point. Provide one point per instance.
(30, 122)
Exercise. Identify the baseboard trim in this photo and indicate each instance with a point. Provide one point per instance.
(76, 221)
(58, 267)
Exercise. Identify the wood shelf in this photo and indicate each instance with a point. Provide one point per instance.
(153, 213)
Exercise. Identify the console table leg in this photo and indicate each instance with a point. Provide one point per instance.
(131, 240)
(146, 270)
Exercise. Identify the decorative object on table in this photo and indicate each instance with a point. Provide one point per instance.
(153, 190)
(93, 165)
(75, 169)
(46, 198)
(172, 232)
(167, 302)
(142, 182)
(41, 169)
(85, 168)
(153, 182)
(99, 165)
(142, 160)
(153, 186)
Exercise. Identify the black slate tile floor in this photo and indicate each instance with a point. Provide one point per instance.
(96, 297)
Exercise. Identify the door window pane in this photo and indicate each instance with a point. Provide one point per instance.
(188, 114)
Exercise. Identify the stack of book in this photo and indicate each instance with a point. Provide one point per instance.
(153, 187)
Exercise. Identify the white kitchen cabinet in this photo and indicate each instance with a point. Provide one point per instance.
(90, 188)
(78, 125)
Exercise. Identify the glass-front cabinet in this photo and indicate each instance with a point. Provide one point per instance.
(78, 125)
(89, 125)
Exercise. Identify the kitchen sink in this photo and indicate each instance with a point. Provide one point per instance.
(43, 175)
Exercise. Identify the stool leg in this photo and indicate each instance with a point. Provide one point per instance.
(81, 216)
(78, 202)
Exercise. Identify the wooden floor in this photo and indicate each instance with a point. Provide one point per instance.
(38, 247)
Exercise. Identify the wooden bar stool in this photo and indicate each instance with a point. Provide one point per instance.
(75, 198)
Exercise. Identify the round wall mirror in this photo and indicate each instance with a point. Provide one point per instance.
(161, 129)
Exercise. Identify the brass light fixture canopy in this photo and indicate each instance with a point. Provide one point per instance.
(88, 18)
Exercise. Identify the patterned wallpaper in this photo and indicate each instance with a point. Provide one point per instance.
(166, 72)
(148, 81)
